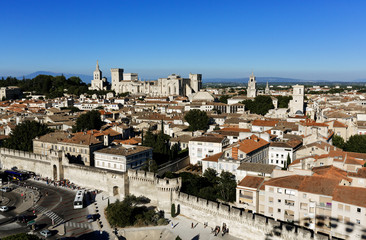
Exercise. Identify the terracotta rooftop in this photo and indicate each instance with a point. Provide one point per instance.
(122, 151)
(338, 124)
(257, 167)
(251, 144)
(361, 173)
(213, 158)
(350, 195)
(251, 182)
(214, 139)
(267, 123)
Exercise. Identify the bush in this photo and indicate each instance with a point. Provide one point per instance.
(162, 221)
(172, 210)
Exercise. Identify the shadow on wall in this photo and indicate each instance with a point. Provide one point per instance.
(74, 159)
(324, 227)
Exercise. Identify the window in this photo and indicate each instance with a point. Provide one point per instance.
(270, 199)
(271, 189)
(279, 210)
(279, 200)
(347, 208)
(304, 195)
(340, 218)
(340, 206)
(279, 190)
(270, 209)
(358, 221)
(358, 210)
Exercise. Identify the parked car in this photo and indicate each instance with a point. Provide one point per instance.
(90, 217)
(45, 233)
(5, 189)
(4, 208)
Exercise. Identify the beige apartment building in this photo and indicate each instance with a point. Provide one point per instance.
(327, 201)
(78, 147)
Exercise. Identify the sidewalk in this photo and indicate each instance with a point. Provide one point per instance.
(101, 202)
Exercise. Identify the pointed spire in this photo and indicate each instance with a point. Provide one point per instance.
(97, 67)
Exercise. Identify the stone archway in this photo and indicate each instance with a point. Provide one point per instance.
(54, 168)
(115, 191)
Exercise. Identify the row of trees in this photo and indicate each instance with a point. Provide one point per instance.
(52, 86)
(211, 185)
(21, 137)
(356, 143)
(88, 121)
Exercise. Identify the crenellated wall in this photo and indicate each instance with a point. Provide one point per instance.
(241, 224)
(159, 191)
(162, 192)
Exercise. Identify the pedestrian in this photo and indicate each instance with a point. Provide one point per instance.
(172, 224)
(192, 225)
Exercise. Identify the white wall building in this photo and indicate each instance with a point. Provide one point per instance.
(202, 147)
(122, 158)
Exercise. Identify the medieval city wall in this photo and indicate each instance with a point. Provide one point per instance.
(240, 223)
(112, 183)
(159, 191)
(25, 161)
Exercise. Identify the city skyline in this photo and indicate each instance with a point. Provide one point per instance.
(302, 40)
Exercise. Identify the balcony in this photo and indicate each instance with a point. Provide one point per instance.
(289, 203)
(324, 205)
(246, 196)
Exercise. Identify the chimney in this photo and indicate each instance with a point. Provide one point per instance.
(234, 152)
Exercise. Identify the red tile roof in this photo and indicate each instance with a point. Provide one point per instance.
(251, 182)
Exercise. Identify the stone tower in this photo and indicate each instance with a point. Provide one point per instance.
(195, 82)
(297, 103)
(266, 90)
(251, 90)
(117, 77)
(97, 73)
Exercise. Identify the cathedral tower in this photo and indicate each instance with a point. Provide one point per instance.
(251, 90)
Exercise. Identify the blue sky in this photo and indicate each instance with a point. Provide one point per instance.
(223, 39)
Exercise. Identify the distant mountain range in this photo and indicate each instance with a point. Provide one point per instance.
(88, 78)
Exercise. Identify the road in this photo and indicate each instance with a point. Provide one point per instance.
(54, 208)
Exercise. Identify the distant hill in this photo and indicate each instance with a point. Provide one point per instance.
(259, 79)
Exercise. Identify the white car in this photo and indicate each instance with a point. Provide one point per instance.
(4, 208)
(45, 233)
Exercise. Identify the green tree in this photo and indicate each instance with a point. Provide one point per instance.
(338, 141)
(211, 175)
(198, 120)
(22, 236)
(283, 101)
(224, 98)
(21, 138)
(88, 121)
(226, 187)
(172, 210)
(356, 143)
(260, 105)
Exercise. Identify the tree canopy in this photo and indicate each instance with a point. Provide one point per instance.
(283, 101)
(224, 98)
(210, 186)
(22, 236)
(126, 213)
(356, 143)
(198, 120)
(88, 121)
(21, 138)
(260, 105)
(338, 141)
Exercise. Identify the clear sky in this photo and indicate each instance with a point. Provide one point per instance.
(223, 39)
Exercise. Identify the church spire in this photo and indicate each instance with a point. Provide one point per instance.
(97, 67)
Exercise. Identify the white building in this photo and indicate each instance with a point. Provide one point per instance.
(279, 151)
(122, 158)
(251, 90)
(296, 105)
(204, 146)
(172, 85)
(98, 82)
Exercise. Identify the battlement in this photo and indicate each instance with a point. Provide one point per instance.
(23, 154)
(151, 178)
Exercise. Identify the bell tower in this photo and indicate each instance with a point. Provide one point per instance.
(251, 90)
